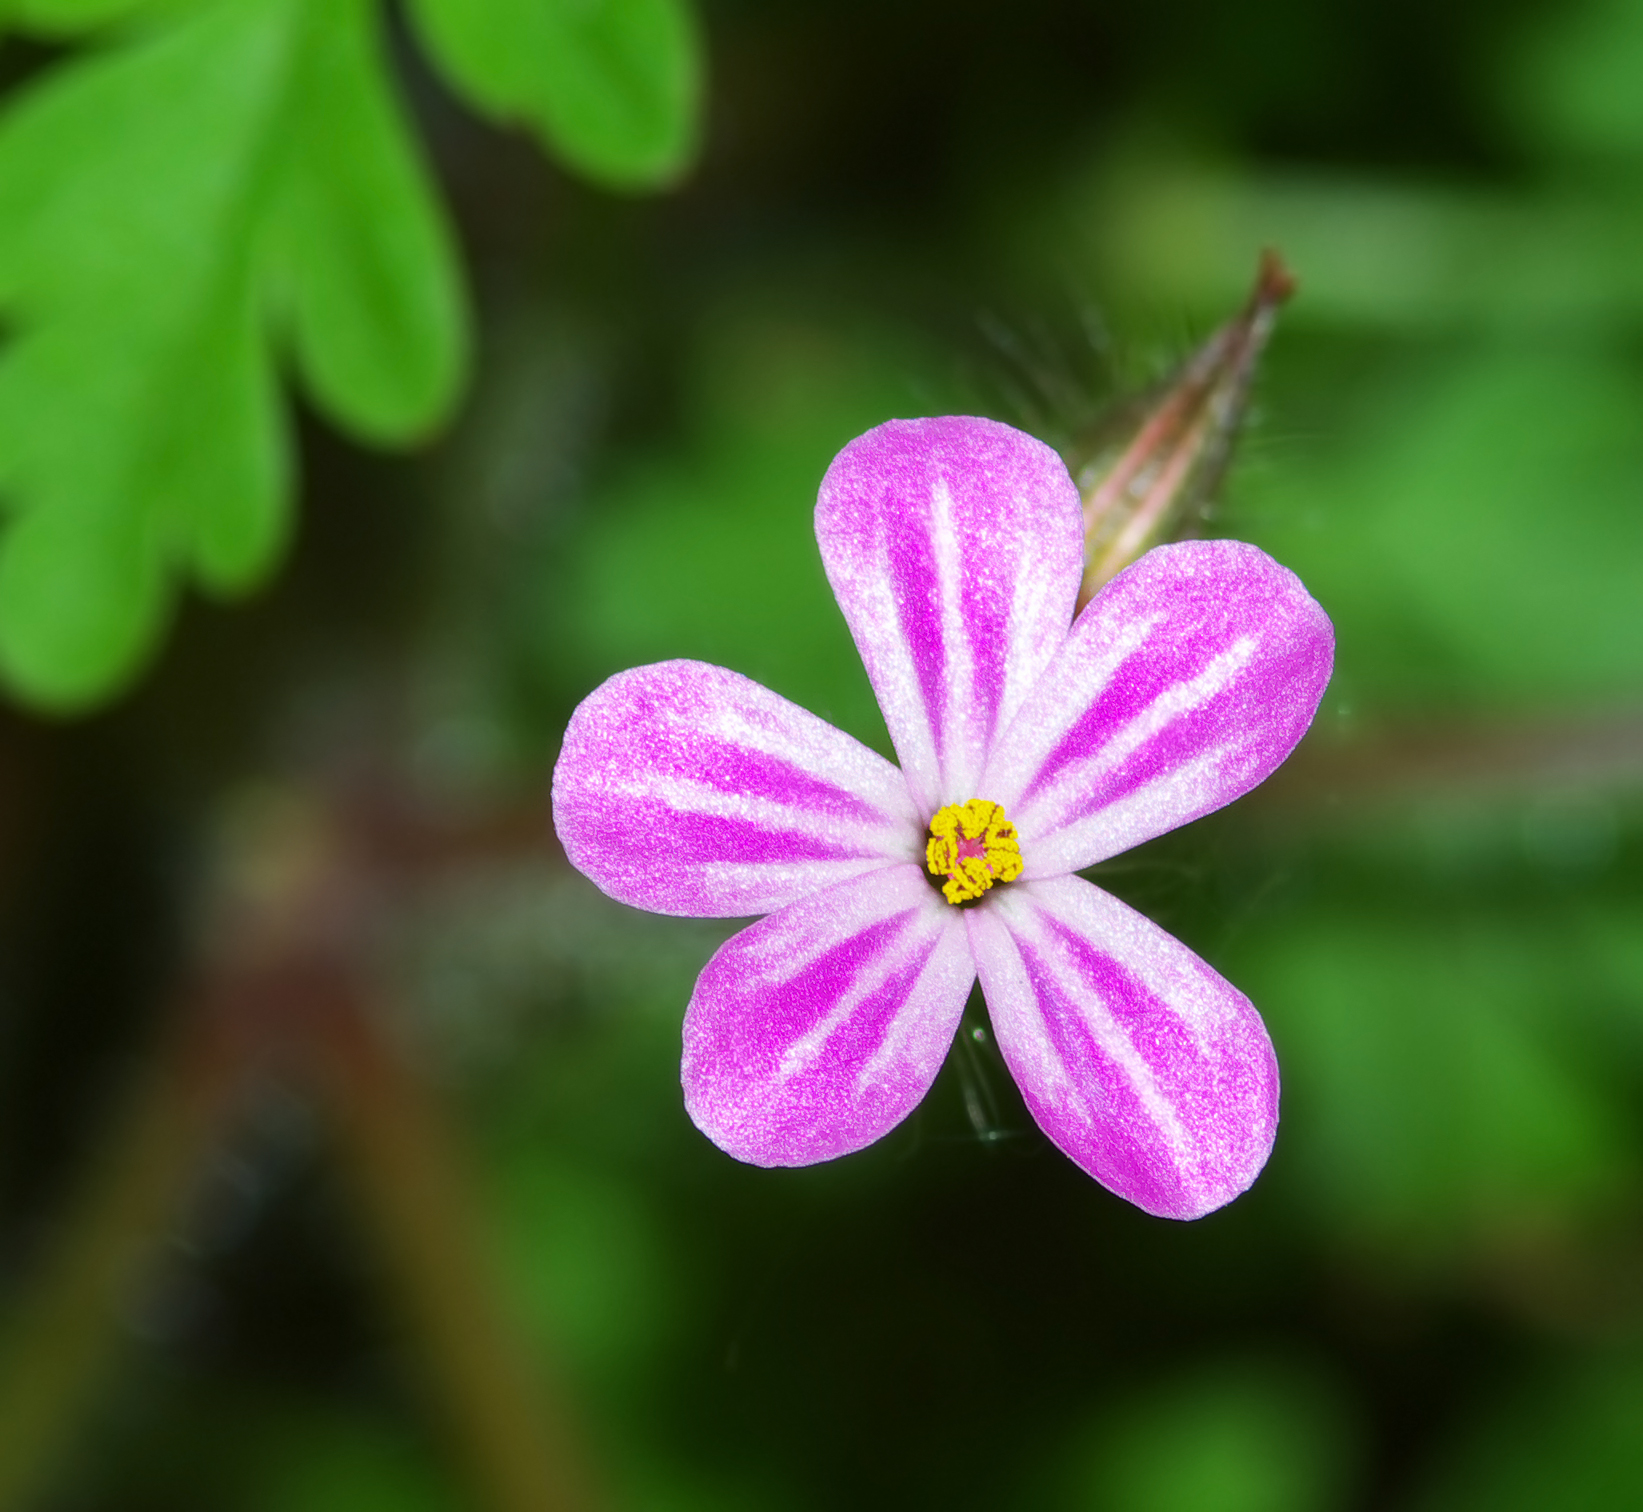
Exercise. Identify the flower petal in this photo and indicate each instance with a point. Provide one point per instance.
(1186, 681)
(817, 1030)
(1149, 1069)
(687, 789)
(954, 547)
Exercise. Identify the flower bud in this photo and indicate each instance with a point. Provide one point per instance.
(1162, 462)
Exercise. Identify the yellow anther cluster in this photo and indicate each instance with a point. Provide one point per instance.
(973, 845)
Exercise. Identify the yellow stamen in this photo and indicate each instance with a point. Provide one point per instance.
(973, 845)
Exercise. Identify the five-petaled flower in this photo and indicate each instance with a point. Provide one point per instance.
(1032, 746)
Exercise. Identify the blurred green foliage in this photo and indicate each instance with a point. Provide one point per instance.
(1430, 1299)
(220, 189)
(1570, 1441)
(1570, 82)
(1474, 528)
(1451, 1064)
(711, 554)
(348, 1463)
(1453, 970)
(1238, 1436)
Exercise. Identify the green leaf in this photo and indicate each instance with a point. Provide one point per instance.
(169, 209)
(359, 248)
(69, 17)
(612, 85)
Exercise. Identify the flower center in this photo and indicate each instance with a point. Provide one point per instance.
(973, 845)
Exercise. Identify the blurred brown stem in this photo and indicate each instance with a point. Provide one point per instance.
(403, 1158)
(68, 1327)
(1440, 761)
(286, 996)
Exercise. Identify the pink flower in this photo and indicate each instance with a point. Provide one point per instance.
(1031, 746)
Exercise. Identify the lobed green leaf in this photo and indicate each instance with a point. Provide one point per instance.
(173, 212)
(360, 253)
(612, 85)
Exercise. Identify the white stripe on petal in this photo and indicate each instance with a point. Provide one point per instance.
(817, 1030)
(1085, 663)
(687, 795)
(962, 749)
(1058, 804)
(1185, 682)
(1148, 1069)
(1026, 925)
(802, 1053)
(1110, 831)
(685, 788)
(1035, 605)
(954, 547)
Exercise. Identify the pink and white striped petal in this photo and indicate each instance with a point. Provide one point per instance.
(954, 547)
(1186, 681)
(816, 1031)
(1147, 1068)
(684, 788)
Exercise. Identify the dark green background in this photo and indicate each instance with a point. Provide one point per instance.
(1432, 1298)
